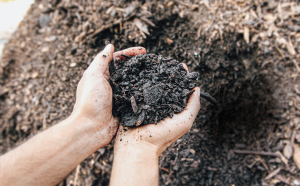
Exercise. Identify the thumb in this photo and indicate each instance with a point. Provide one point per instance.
(192, 108)
(101, 61)
(194, 102)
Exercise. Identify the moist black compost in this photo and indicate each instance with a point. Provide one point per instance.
(148, 88)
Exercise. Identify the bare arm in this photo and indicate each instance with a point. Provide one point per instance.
(49, 156)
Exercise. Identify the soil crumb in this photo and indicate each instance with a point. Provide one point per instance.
(148, 88)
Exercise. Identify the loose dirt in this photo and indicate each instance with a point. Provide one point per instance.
(148, 88)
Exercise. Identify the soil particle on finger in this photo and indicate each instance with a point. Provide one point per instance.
(148, 88)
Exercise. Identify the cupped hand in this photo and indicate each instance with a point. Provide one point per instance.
(94, 95)
(158, 137)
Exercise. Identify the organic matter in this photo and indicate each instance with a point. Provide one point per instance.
(148, 88)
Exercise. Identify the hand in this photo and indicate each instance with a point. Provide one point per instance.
(157, 138)
(137, 149)
(94, 96)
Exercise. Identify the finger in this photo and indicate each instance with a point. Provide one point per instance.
(194, 101)
(101, 61)
(106, 74)
(192, 108)
(129, 52)
(116, 123)
(185, 67)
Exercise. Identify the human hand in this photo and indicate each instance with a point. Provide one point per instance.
(93, 105)
(156, 138)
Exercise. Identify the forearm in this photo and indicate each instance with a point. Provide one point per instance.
(48, 157)
(133, 166)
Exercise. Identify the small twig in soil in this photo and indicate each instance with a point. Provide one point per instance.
(296, 66)
(140, 119)
(283, 179)
(112, 67)
(164, 169)
(209, 98)
(271, 132)
(134, 105)
(126, 56)
(257, 153)
(76, 175)
(293, 137)
(273, 173)
(279, 51)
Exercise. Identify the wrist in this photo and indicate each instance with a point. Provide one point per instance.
(136, 153)
(134, 165)
(85, 132)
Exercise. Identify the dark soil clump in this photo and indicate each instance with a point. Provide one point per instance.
(148, 88)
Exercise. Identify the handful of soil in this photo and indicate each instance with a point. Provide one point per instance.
(148, 88)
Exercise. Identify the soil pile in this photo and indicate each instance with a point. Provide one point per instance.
(148, 88)
(247, 56)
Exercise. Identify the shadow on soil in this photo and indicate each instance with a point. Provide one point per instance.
(246, 115)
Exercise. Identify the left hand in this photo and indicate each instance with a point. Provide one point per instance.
(94, 96)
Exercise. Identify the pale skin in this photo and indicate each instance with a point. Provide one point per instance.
(50, 156)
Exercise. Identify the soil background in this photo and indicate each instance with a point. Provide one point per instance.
(246, 52)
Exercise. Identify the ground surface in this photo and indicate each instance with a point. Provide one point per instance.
(247, 54)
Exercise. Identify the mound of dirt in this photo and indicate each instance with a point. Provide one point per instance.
(148, 88)
(247, 55)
